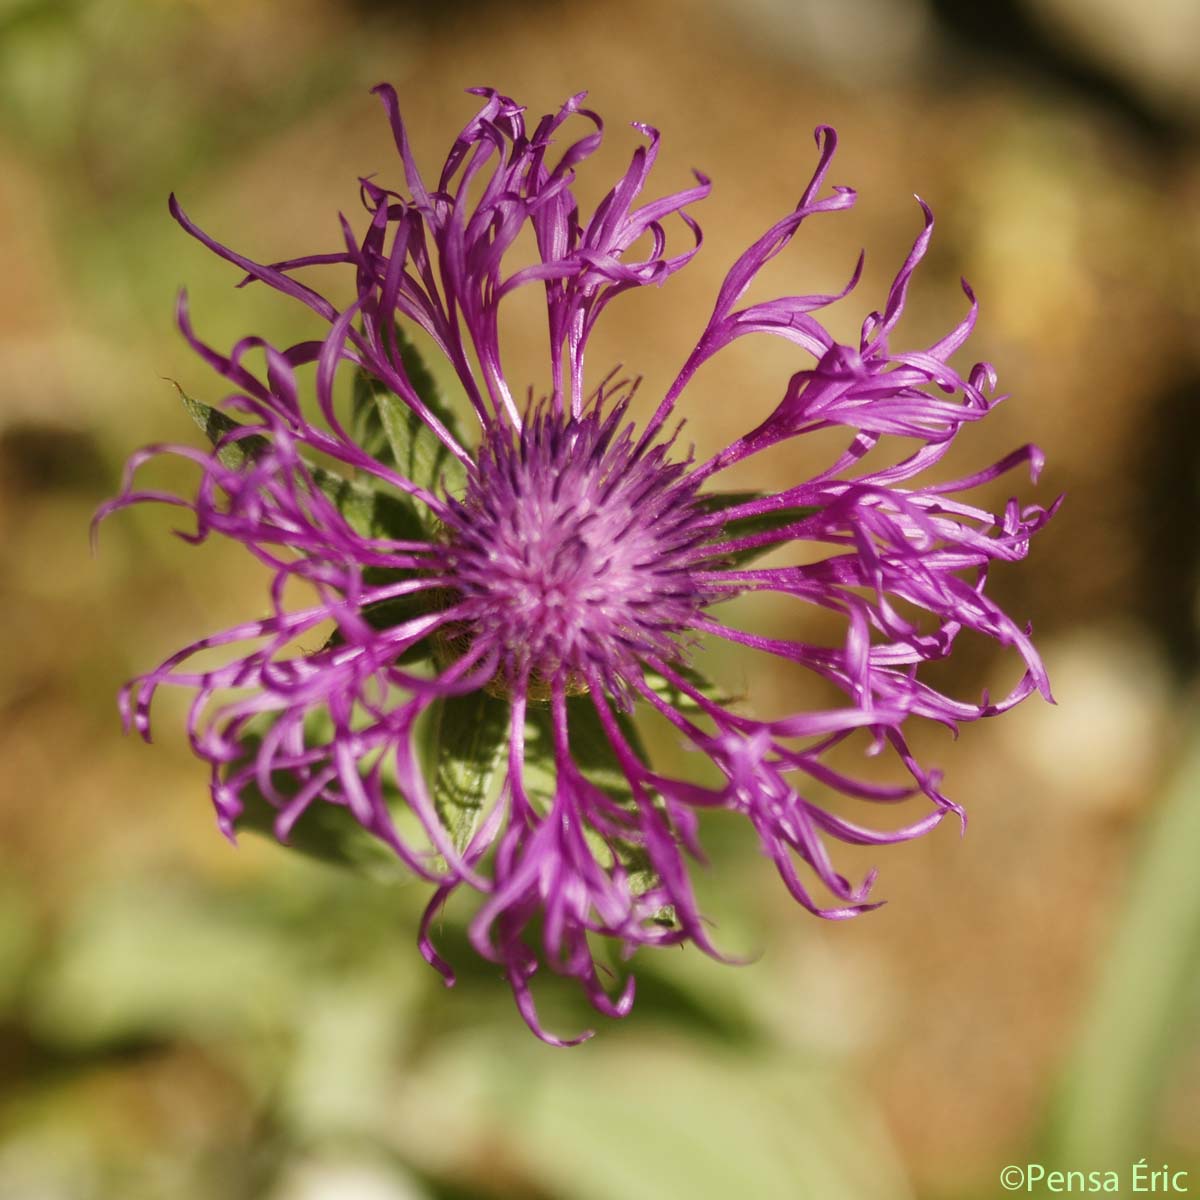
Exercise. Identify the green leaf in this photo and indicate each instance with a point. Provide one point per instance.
(397, 436)
(591, 750)
(143, 958)
(740, 527)
(593, 754)
(680, 700)
(469, 736)
(215, 425)
(372, 512)
(326, 832)
(366, 423)
(654, 1117)
(1139, 1015)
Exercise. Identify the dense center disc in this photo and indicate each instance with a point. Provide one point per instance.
(570, 551)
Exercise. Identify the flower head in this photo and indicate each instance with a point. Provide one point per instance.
(570, 552)
(504, 603)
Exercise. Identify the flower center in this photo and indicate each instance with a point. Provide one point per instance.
(569, 553)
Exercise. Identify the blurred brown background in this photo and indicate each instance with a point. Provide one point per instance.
(179, 1019)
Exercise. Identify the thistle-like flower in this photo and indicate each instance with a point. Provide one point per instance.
(487, 614)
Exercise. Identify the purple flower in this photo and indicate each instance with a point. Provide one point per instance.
(511, 599)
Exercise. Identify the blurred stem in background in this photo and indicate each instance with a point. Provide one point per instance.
(1136, 1021)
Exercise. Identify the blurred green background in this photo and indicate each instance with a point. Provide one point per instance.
(179, 1019)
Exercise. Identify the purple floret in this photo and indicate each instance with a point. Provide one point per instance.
(579, 566)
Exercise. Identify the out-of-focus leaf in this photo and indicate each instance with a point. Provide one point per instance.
(468, 737)
(1139, 1010)
(349, 1034)
(767, 522)
(150, 961)
(18, 938)
(705, 1128)
(649, 1117)
(360, 1174)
